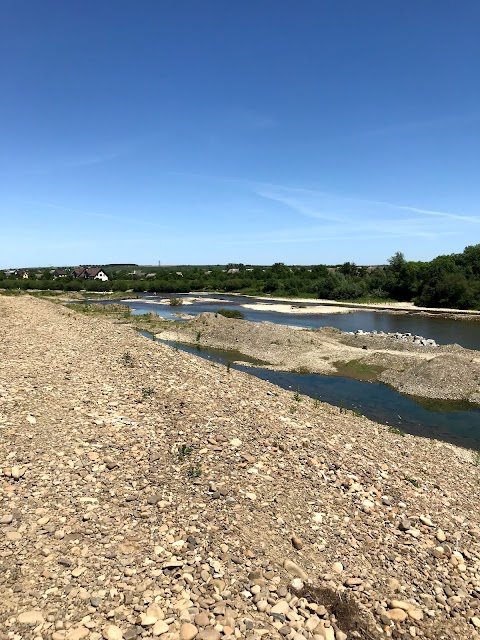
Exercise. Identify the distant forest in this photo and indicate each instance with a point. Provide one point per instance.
(447, 281)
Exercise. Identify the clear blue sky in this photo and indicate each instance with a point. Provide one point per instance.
(255, 131)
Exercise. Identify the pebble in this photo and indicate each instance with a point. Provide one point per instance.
(112, 632)
(188, 631)
(32, 617)
(397, 615)
(296, 542)
(295, 570)
(160, 627)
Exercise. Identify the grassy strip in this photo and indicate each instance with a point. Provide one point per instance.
(359, 370)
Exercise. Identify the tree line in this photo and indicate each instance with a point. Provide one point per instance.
(446, 281)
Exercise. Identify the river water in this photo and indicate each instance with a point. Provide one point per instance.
(443, 330)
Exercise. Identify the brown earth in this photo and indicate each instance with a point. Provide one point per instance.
(447, 372)
(147, 493)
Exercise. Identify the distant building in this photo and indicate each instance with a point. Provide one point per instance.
(60, 273)
(22, 274)
(231, 271)
(90, 273)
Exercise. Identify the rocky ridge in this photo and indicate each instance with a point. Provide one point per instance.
(147, 493)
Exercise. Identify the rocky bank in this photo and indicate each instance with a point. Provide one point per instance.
(146, 493)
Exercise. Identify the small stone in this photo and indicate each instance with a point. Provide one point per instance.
(475, 621)
(188, 631)
(202, 619)
(337, 567)
(112, 632)
(31, 419)
(147, 621)
(426, 521)
(7, 519)
(415, 613)
(281, 606)
(95, 602)
(393, 584)
(13, 536)
(160, 627)
(440, 536)
(294, 570)
(17, 473)
(77, 633)
(32, 617)
(263, 604)
(209, 634)
(236, 442)
(404, 524)
(397, 615)
(297, 584)
(296, 542)
(155, 611)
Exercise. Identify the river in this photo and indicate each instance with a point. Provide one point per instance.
(442, 330)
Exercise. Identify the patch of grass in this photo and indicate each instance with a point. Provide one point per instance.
(412, 481)
(476, 458)
(194, 471)
(147, 392)
(229, 363)
(296, 396)
(359, 370)
(316, 402)
(184, 451)
(396, 430)
(198, 336)
(127, 359)
(231, 313)
(176, 302)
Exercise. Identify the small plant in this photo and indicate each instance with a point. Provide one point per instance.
(476, 458)
(194, 471)
(176, 302)
(396, 430)
(296, 396)
(229, 363)
(293, 408)
(316, 402)
(127, 359)
(356, 412)
(199, 335)
(342, 408)
(231, 313)
(184, 451)
(412, 481)
(147, 392)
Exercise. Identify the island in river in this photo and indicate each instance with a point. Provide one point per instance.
(447, 372)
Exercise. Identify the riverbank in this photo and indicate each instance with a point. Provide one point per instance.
(147, 492)
(440, 372)
(403, 307)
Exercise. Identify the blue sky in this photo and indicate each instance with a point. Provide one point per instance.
(214, 131)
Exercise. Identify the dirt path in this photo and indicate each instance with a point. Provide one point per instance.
(147, 493)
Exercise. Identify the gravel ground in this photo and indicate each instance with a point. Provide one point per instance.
(147, 493)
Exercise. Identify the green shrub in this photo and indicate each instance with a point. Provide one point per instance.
(231, 313)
